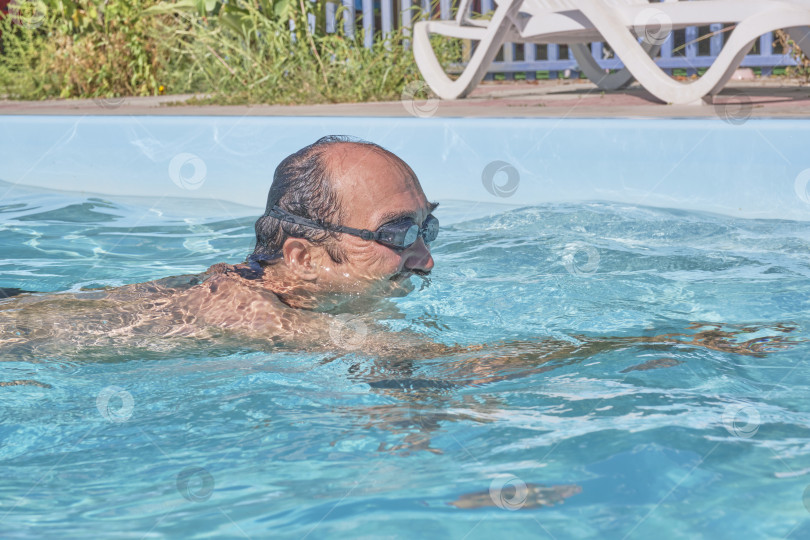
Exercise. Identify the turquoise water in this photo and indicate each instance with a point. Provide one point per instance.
(680, 410)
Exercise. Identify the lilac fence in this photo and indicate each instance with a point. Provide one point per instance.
(689, 50)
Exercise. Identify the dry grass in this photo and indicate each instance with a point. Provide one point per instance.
(235, 55)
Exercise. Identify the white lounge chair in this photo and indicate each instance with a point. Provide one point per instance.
(620, 23)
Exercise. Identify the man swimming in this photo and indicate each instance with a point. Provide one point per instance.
(345, 227)
(346, 224)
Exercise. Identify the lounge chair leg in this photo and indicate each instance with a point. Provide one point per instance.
(606, 81)
(490, 40)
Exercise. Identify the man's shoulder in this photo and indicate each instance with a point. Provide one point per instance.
(240, 281)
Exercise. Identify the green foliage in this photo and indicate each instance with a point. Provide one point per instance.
(234, 51)
(264, 51)
(85, 48)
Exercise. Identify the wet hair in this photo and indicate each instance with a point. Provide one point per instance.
(303, 186)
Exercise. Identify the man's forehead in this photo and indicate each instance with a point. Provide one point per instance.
(346, 157)
(359, 169)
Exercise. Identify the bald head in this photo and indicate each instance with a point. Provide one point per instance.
(329, 181)
(349, 160)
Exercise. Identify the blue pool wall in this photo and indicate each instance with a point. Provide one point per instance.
(759, 168)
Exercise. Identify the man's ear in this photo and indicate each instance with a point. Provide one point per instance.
(298, 256)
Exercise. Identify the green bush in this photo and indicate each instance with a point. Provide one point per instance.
(86, 48)
(240, 51)
(246, 52)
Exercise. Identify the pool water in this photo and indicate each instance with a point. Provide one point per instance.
(678, 408)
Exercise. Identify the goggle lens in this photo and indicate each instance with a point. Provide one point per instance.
(430, 229)
(403, 239)
(411, 235)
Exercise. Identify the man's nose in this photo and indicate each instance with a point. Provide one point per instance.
(417, 257)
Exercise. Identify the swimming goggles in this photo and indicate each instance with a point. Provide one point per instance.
(399, 234)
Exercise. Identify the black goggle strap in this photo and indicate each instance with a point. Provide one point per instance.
(286, 217)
